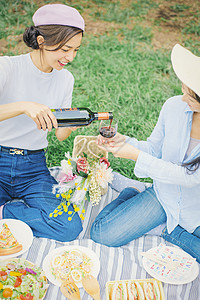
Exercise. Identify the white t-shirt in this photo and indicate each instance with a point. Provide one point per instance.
(21, 80)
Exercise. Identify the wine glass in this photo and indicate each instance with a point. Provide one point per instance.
(108, 128)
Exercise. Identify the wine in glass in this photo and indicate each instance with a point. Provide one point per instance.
(108, 128)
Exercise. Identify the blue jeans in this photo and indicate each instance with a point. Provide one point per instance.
(189, 242)
(132, 215)
(27, 179)
(128, 217)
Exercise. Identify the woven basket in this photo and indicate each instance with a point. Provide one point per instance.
(86, 144)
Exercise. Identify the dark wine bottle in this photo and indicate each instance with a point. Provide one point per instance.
(75, 117)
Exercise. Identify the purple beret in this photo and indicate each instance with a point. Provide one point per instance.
(58, 14)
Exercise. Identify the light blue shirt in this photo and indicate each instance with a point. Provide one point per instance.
(161, 158)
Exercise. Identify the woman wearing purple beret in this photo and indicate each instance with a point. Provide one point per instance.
(30, 86)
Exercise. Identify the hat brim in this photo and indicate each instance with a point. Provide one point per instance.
(186, 65)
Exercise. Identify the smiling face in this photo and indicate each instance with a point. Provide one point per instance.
(190, 98)
(57, 59)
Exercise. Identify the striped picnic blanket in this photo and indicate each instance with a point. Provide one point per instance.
(115, 263)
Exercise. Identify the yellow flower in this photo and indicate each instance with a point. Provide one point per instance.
(60, 212)
(55, 211)
(69, 162)
(78, 188)
(57, 195)
(68, 196)
(59, 207)
(70, 191)
(55, 215)
(69, 212)
(85, 189)
(83, 211)
(82, 217)
(76, 183)
(1, 286)
(74, 205)
(51, 215)
(69, 219)
(76, 209)
(68, 203)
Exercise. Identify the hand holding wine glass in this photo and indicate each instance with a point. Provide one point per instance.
(108, 133)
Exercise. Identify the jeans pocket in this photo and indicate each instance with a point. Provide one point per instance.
(37, 158)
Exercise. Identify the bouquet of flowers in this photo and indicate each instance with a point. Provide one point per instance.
(81, 179)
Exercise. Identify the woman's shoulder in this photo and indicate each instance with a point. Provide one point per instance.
(175, 103)
(66, 75)
(5, 61)
(10, 61)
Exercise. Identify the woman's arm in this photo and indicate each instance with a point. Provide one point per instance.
(165, 171)
(39, 113)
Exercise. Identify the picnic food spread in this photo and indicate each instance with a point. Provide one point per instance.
(8, 243)
(21, 279)
(72, 263)
(146, 289)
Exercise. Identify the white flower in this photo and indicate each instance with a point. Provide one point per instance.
(103, 175)
(94, 191)
(66, 166)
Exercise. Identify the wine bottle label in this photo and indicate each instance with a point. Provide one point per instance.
(103, 116)
(64, 109)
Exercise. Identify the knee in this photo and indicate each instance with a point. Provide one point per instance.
(69, 230)
(101, 236)
(129, 192)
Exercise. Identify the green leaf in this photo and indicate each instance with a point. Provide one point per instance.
(73, 164)
(84, 155)
(87, 195)
(82, 174)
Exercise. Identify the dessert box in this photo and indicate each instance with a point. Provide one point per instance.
(141, 282)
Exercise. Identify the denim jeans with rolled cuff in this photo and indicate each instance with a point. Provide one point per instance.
(189, 242)
(27, 179)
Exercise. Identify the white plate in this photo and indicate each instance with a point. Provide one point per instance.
(22, 232)
(187, 272)
(47, 262)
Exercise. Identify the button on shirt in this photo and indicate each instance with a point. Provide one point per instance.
(161, 158)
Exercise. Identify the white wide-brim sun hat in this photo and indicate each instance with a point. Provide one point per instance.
(186, 65)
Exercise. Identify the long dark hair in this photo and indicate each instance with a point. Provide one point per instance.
(193, 165)
(57, 35)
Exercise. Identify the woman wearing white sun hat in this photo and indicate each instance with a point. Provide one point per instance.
(30, 86)
(171, 157)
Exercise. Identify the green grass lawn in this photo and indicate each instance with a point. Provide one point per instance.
(118, 71)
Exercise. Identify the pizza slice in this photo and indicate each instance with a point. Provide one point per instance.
(8, 243)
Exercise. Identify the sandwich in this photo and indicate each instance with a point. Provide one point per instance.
(135, 291)
(151, 290)
(118, 291)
